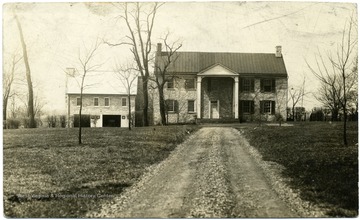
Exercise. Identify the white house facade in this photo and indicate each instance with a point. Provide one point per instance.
(100, 110)
(105, 101)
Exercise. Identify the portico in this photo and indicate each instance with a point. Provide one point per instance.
(216, 71)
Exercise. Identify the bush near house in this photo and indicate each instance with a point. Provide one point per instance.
(325, 171)
(46, 174)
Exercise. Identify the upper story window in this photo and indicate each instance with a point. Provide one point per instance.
(170, 84)
(78, 101)
(96, 101)
(107, 101)
(267, 85)
(123, 101)
(190, 83)
(247, 85)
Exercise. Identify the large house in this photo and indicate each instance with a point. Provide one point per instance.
(105, 102)
(223, 86)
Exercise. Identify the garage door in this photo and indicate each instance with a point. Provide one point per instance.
(111, 120)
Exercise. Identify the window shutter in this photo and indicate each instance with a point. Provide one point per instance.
(273, 85)
(252, 88)
(241, 106)
(166, 105)
(252, 111)
(241, 85)
(176, 106)
(272, 107)
(261, 107)
(261, 86)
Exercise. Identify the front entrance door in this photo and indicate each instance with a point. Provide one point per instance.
(214, 109)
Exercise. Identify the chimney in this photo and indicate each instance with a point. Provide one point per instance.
(158, 51)
(278, 51)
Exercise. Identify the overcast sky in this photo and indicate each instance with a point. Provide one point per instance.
(55, 32)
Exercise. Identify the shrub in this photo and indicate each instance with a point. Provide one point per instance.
(12, 123)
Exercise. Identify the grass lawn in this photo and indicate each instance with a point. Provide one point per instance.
(47, 174)
(325, 171)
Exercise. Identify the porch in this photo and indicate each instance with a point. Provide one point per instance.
(217, 93)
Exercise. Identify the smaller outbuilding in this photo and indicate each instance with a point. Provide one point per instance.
(105, 102)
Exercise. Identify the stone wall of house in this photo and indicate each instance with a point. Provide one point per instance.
(220, 89)
(279, 96)
(115, 108)
(182, 95)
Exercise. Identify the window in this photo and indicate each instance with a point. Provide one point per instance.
(247, 106)
(191, 106)
(247, 85)
(171, 105)
(170, 84)
(78, 101)
(267, 107)
(123, 101)
(189, 83)
(267, 85)
(96, 101)
(107, 101)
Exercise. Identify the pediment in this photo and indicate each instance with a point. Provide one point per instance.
(217, 70)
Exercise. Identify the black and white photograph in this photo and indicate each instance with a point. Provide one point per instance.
(187, 109)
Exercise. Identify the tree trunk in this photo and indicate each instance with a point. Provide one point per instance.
(293, 112)
(80, 142)
(31, 114)
(344, 107)
(146, 101)
(162, 105)
(5, 102)
(334, 114)
(129, 110)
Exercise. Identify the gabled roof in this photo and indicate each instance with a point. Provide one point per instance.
(242, 63)
(217, 70)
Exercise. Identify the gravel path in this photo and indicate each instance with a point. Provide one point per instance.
(213, 174)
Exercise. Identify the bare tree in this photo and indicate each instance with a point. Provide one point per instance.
(127, 76)
(339, 81)
(296, 95)
(38, 106)
(162, 64)
(86, 66)
(31, 113)
(139, 19)
(341, 62)
(8, 79)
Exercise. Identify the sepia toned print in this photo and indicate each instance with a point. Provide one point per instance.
(180, 109)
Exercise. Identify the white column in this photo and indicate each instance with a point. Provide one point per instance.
(198, 97)
(236, 97)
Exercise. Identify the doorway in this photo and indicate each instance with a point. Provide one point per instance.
(214, 109)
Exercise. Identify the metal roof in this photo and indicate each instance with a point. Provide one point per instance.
(242, 63)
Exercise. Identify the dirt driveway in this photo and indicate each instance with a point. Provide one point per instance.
(212, 174)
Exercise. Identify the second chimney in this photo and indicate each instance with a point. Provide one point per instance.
(278, 51)
(159, 48)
